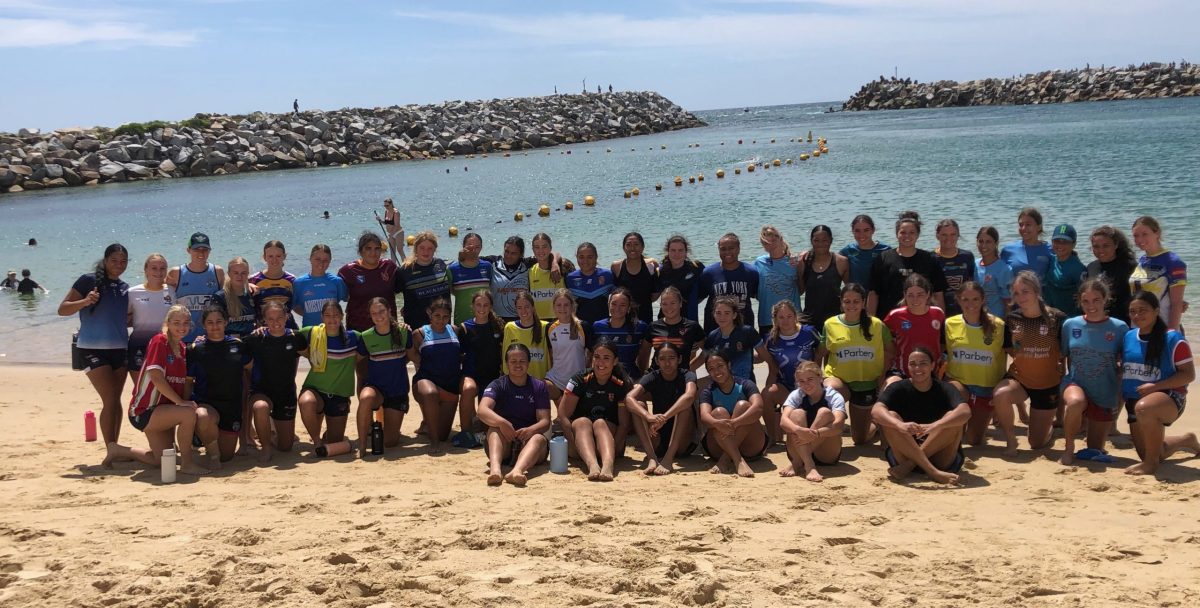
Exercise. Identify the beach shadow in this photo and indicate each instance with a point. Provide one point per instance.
(841, 469)
(870, 451)
(1174, 471)
(918, 481)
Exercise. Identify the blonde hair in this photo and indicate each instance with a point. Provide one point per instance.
(576, 326)
(152, 257)
(233, 301)
(418, 238)
(175, 310)
(809, 367)
(769, 231)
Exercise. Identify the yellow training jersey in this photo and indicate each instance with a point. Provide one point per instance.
(972, 358)
(542, 288)
(855, 360)
(539, 354)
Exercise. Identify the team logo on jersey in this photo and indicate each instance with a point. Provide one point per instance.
(288, 346)
(1045, 331)
(1109, 336)
(600, 280)
(937, 324)
(1076, 332)
(906, 325)
(170, 359)
(689, 275)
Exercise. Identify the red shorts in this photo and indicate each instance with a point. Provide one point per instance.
(979, 403)
(1096, 413)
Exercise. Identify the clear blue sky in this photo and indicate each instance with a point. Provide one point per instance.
(87, 62)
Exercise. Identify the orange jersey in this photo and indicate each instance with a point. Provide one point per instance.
(1034, 344)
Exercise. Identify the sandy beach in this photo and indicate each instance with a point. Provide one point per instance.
(418, 530)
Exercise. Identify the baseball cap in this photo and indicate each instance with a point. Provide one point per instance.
(11, 271)
(1064, 232)
(199, 240)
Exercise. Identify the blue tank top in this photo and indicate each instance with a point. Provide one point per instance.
(194, 291)
(441, 357)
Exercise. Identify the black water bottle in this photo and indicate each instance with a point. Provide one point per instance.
(376, 438)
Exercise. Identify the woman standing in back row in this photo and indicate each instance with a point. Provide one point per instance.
(1031, 252)
(895, 265)
(1159, 271)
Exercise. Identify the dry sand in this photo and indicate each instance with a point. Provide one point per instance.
(418, 530)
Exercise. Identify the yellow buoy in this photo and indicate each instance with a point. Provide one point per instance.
(569, 206)
(635, 191)
(737, 171)
(750, 168)
(589, 200)
(658, 186)
(628, 194)
(776, 162)
(803, 157)
(410, 240)
(383, 247)
(788, 161)
(720, 173)
(816, 153)
(453, 231)
(678, 181)
(700, 177)
(519, 216)
(824, 150)
(544, 210)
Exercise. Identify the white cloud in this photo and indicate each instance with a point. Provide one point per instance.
(60, 32)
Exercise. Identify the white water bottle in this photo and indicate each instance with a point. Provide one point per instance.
(558, 455)
(168, 465)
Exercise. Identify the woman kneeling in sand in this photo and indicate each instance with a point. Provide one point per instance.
(922, 420)
(812, 420)
(516, 410)
(590, 411)
(159, 404)
(731, 408)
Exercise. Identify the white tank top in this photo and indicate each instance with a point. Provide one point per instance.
(568, 355)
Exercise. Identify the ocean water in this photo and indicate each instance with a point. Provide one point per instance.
(1086, 164)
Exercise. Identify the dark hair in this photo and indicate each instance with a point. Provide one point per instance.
(517, 241)
(678, 238)
(618, 369)
(537, 322)
(441, 304)
(495, 321)
(924, 350)
(1156, 342)
(1033, 214)
(278, 244)
(338, 307)
(718, 353)
(271, 305)
(732, 302)
(990, 231)
(671, 346)
(322, 248)
(985, 318)
(368, 238)
(25, 272)
(1114, 234)
(909, 217)
(1149, 222)
(917, 279)
(631, 316)
(820, 228)
(214, 308)
(1097, 285)
(862, 218)
(730, 235)
(865, 320)
(948, 222)
(542, 236)
(517, 347)
(100, 273)
(586, 245)
(468, 236)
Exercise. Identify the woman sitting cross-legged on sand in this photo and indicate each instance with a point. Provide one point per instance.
(661, 407)
(730, 408)
(922, 421)
(516, 409)
(159, 405)
(1158, 368)
(812, 420)
(591, 409)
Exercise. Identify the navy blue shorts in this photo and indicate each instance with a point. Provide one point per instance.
(335, 406)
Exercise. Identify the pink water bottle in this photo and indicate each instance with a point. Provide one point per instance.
(89, 426)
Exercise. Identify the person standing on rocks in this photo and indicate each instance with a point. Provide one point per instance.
(296, 107)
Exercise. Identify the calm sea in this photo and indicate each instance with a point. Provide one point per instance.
(1086, 164)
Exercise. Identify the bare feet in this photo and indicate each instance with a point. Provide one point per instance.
(814, 476)
(651, 467)
(943, 477)
(264, 456)
(1186, 443)
(724, 466)
(1141, 468)
(1011, 448)
(516, 479)
(435, 448)
(593, 472)
(900, 471)
(664, 468)
(606, 473)
(788, 471)
(1067, 458)
(495, 479)
(743, 469)
(192, 468)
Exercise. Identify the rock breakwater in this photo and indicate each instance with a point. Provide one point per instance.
(1146, 81)
(220, 145)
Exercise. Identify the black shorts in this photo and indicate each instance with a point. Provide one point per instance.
(450, 385)
(135, 355)
(335, 406)
(866, 398)
(96, 358)
(230, 415)
(664, 442)
(283, 402)
(396, 402)
(955, 466)
(142, 420)
(1180, 400)
(754, 458)
(1042, 398)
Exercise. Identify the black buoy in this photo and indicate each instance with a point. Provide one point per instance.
(33, 242)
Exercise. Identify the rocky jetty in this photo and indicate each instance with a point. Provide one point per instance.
(221, 145)
(1146, 81)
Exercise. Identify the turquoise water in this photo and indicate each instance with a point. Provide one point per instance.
(1086, 164)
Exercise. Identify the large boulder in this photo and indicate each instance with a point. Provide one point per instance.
(116, 154)
(462, 145)
(110, 170)
(71, 177)
(54, 171)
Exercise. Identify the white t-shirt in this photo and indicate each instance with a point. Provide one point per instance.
(833, 400)
(148, 309)
(568, 355)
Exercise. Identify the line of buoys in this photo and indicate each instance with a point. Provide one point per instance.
(569, 206)
(720, 173)
(589, 200)
(544, 211)
(635, 191)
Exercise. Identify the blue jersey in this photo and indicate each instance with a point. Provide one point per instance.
(1061, 282)
(958, 270)
(1093, 350)
(789, 351)
(738, 347)
(1034, 258)
(195, 290)
(421, 286)
(627, 338)
(742, 391)
(464, 282)
(1136, 370)
(441, 357)
(740, 282)
(996, 279)
(861, 260)
(102, 325)
(776, 282)
(242, 324)
(309, 295)
(387, 360)
(591, 293)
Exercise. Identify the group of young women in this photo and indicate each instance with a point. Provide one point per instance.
(918, 348)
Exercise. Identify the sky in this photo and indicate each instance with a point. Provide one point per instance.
(79, 63)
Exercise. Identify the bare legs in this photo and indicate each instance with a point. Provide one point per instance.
(745, 441)
(437, 409)
(862, 427)
(109, 384)
(933, 456)
(1154, 412)
(596, 445)
(802, 448)
(533, 452)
